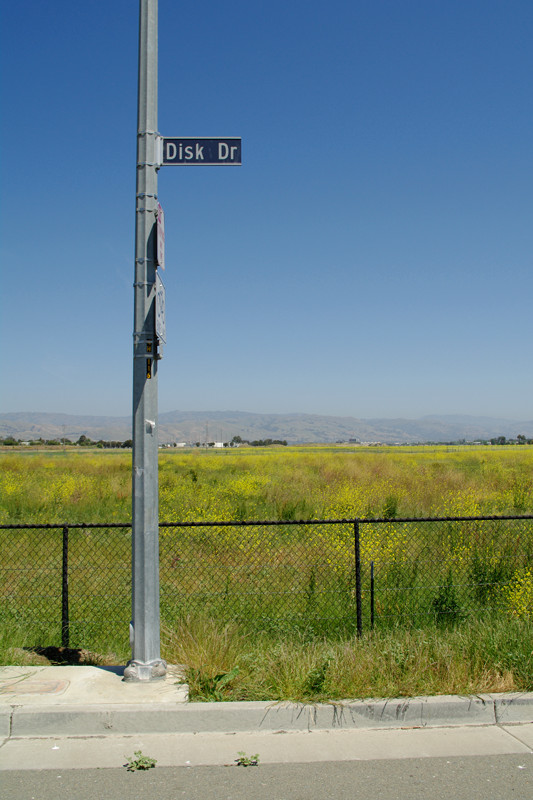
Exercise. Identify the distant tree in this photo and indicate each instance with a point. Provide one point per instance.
(521, 439)
(267, 442)
(127, 443)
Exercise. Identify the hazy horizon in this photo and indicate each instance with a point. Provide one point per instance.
(221, 411)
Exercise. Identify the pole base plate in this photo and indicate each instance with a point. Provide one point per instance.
(145, 671)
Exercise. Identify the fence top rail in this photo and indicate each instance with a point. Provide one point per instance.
(244, 523)
(343, 520)
(61, 525)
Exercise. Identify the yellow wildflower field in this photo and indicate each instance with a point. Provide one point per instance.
(288, 579)
(278, 483)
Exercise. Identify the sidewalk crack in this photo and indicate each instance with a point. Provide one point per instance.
(510, 733)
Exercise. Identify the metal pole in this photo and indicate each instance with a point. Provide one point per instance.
(146, 663)
(65, 624)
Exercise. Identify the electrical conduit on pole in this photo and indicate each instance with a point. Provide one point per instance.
(146, 663)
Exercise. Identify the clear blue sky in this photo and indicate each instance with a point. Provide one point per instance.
(372, 256)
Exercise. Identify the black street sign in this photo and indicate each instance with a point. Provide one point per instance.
(201, 151)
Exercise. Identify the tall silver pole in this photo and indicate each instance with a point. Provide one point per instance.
(146, 663)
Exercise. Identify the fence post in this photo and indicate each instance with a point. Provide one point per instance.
(372, 590)
(358, 602)
(65, 623)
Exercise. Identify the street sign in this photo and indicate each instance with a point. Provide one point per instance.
(200, 151)
(160, 326)
(160, 237)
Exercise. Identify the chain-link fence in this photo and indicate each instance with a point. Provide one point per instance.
(71, 584)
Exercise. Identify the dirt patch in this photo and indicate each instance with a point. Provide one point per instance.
(44, 656)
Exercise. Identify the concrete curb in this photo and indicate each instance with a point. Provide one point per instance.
(418, 712)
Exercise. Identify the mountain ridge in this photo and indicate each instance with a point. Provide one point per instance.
(297, 427)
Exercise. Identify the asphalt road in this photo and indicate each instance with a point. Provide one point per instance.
(496, 777)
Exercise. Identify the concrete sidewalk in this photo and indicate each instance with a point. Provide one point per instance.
(71, 716)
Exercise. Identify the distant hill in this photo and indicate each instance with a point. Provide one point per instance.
(193, 426)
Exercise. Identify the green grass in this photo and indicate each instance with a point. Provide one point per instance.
(226, 663)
